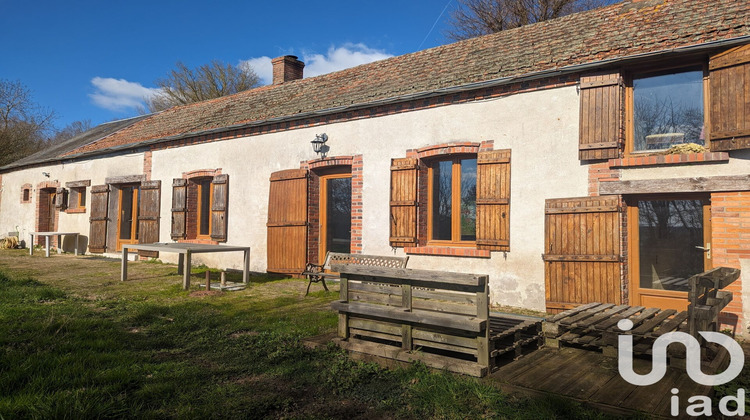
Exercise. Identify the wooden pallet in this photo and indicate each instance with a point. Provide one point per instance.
(512, 337)
(594, 325)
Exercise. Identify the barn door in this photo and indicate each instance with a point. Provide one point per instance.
(582, 257)
(98, 218)
(287, 222)
(148, 215)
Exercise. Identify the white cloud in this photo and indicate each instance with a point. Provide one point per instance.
(262, 67)
(335, 59)
(119, 94)
(340, 58)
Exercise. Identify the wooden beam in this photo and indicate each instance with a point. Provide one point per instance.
(676, 185)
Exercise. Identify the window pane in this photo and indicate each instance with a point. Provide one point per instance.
(82, 197)
(339, 215)
(205, 210)
(469, 200)
(126, 213)
(669, 231)
(668, 110)
(442, 179)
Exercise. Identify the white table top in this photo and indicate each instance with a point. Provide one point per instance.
(183, 247)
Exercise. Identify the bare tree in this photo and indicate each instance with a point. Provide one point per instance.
(184, 85)
(25, 126)
(473, 18)
(71, 130)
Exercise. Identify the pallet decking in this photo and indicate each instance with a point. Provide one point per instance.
(439, 318)
(594, 325)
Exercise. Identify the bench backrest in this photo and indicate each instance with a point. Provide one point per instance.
(706, 299)
(418, 308)
(334, 258)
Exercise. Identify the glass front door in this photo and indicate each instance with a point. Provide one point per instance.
(127, 223)
(336, 213)
(672, 241)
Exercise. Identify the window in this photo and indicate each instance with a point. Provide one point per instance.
(26, 197)
(667, 109)
(204, 207)
(453, 200)
(77, 198)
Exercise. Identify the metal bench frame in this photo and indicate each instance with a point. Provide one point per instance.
(317, 272)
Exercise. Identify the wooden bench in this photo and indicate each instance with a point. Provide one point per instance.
(594, 324)
(317, 272)
(439, 318)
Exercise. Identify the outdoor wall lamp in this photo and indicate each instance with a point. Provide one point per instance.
(319, 144)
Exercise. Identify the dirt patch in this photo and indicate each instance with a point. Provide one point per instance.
(239, 334)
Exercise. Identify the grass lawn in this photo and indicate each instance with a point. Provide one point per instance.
(75, 342)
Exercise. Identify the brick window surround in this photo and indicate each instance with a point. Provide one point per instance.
(191, 221)
(424, 154)
(26, 191)
(315, 167)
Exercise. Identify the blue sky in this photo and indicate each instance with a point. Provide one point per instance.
(94, 60)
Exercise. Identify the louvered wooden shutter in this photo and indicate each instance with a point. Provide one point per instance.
(149, 209)
(179, 208)
(287, 222)
(493, 200)
(403, 202)
(219, 207)
(730, 95)
(601, 116)
(98, 218)
(582, 258)
(60, 201)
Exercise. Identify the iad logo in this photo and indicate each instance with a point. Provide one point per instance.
(702, 404)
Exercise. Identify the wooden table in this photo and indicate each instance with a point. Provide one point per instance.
(185, 251)
(59, 241)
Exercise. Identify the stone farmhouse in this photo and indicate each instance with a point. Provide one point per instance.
(602, 156)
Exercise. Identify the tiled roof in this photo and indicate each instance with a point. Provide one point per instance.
(52, 153)
(621, 30)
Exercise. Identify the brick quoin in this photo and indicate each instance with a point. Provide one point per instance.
(147, 164)
(730, 242)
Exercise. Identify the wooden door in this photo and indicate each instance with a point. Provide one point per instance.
(582, 258)
(127, 215)
(98, 219)
(669, 241)
(335, 213)
(287, 222)
(149, 202)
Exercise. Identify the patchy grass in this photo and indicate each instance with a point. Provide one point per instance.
(75, 342)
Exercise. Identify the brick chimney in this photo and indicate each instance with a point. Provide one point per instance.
(286, 68)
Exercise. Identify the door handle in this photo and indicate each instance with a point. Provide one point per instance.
(706, 249)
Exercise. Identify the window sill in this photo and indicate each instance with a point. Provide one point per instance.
(72, 211)
(448, 251)
(654, 160)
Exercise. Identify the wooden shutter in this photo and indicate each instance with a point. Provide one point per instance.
(60, 198)
(220, 197)
(149, 209)
(493, 200)
(287, 222)
(582, 259)
(404, 187)
(98, 218)
(179, 208)
(729, 108)
(601, 116)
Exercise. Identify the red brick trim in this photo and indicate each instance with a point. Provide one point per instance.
(313, 201)
(652, 160)
(450, 149)
(730, 241)
(77, 210)
(201, 173)
(147, 164)
(448, 251)
(28, 187)
(601, 172)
